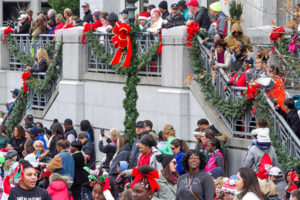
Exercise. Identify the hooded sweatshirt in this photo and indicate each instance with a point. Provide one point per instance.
(236, 27)
(58, 190)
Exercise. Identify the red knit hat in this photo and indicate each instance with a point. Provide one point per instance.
(156, 11)
(193, 3)
(144, 15)
(229, 186)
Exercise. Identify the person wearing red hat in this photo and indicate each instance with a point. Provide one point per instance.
(143, 21)
(200, 14)
(156, 22)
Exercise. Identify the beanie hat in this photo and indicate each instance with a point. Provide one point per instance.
(262, 135)
(163, 5)
(229, 186)
(144, 15)
(164, 159)
(77, 144)
(11, 153)
(112, 17)
(34, 131)
(215, 6)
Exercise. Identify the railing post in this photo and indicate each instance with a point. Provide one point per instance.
(175, 57)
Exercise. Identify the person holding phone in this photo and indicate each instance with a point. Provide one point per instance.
(40, 156)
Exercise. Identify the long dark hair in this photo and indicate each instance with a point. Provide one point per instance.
(57, 130)
(169, 176)
(188, 154)
(21, 132)
(180, 143)
(216, 143)
(85, 125)
(250, 182)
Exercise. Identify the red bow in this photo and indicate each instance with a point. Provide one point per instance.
(251, 92)
(7, 31)
(121, 40)
(151, 176)
(159, 50)
(275, 35)
(191, 30)
(87, 28)
(25, 77)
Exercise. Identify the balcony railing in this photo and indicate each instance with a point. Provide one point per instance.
(144, 42)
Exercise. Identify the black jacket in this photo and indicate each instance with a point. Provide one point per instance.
(109, 149)
(123, 155)
(88, 17)
(135, 150)
(52, 147)
(89, 149)
(25, 28)
(177, 20)
(80, 175)
(202, 18)
(18, 145)
(292, 119)
(70, 131)
(42, 66)
(165, 15)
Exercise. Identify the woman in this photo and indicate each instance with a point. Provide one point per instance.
(247, 185)
(3, 137)
(216, 158)
(42, 63)
(168, 135)
(63, 162)
(40, 27)
(58, 134)
(110, 148)
(39, 157)
(196, 183)
(122, 154)
(11, 162)
(105, 24)
(26, 188)
(178, 148)
(156, 22)
(58, 188)
(167, 178)
(67, 15)
(18, 140)
(86, 126)
(220, 58)
(148, 150)
(268, 187)
(60, 22)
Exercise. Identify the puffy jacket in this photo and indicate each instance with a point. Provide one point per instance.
(238, 81)
(25, 28)
(123, 155)
(177, 20)
(58, 190)
(167, 191)
(236, 27)
(222, 23)
(202, 18)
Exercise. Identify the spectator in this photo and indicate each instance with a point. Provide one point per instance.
(11, 162)
(203, 124)
(67, 15)
(96, 18)
(111, 147)
(24, 25)
(80, 175)
(237, 34)
(143, 21)
(40, 28)
(216, 158)
(70, 133)
(269, 190)
(218, 186)
(197, 134)
(36, 136)
(40, 157)
(196, 182)
(57, 134)
(3, 138)
(161, 141)
(50, 26)
(220, 25)
(291, 115)
(155, 23)
(247, 184)
(140, 130)
(51, 15)
(18, 140)
(60, 22)
(206, 135)
(169, 135)
(167, 178)
(200, 14)
(88, 17)
(211, 43)
(275, 175)
(163, 9)
(63, 162)
(220, 58)
(29, 14)
(149, 8)
(112, 18)
(58, 187)
(28, 121)
(228, 190)
(179, 147)
(295, 195)
(124, 16)
(86, 126)
(42, 63)
(240, 54)
(14, 93)
(184, 10)
(2, 114)
(88, 149)
(175, 19)
(149, 126)
(105, 24)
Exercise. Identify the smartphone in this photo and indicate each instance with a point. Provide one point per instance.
(102, 132)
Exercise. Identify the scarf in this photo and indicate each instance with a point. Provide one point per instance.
(145, 159)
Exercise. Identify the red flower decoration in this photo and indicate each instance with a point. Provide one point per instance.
(7, 31)
(251, 92)
(275, 34)
(191, 30)
(25, 77)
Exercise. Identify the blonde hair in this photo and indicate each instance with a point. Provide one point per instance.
(59, 18)
(68, 11)
(268, 187)
(7, 164)
(122, 140)
(169, 130)
(219, 181)
(58, 177)
(114, 134)
(38, 142)
(42, 54)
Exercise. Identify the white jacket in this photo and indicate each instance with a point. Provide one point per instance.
(250, 196)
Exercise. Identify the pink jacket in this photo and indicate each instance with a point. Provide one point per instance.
(58, 190)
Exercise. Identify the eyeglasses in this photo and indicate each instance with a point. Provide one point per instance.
(173, 148)
(194, 158)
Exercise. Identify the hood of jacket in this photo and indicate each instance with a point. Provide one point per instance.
(236, 27)
(123, 166)
(57, 186)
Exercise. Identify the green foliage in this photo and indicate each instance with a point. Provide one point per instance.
(60, 5)
(235, 10)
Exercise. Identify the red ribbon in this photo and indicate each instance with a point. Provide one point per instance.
(121, 40)
(191, 30)
(159, 50)
(151, 176)
(87, 28)
(275, 35)
(7, 31)
(25, 77)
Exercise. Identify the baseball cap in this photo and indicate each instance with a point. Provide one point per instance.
(124, 12)
(15, 91)
(22, 16)
(274, 171)
(68, 121)
(193, 3)
(85, 4)
(174, 6)
(140, 124)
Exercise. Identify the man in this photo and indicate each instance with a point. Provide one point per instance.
(275, 175)
(24, 25)
(88, 17)
(197, 134)
(88, 148)
(163, 8)
(175, 19)
(28, 121)
(14, 94)
(140, 130)
(70, 133)
(51, 15)
(124, 16)
(204, 124)
(35, 135)
(200, 14)
(291, 115)
(220, 23)
(184, 10)
(237, 34)
(149, 126)
(295, 195)
(206, 135)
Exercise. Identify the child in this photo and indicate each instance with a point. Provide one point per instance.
(218, 186)
(261, 134)
(121, 181)
(11, 162)
(228, 191)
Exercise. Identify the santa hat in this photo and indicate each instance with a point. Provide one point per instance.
(229, 186)
(155, 11)
(144, 16)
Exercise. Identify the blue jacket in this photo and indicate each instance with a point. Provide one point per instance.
(68, 165)
(186, 14)
(179, 167)
(40, 137)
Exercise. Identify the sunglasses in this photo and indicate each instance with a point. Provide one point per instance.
(173, 148)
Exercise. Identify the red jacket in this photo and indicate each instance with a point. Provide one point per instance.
(239, 81)
(58, 191)
(58, 26)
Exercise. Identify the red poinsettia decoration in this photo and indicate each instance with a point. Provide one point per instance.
(191, 30)
(7, 31)
(275, 35)
(252, 91)
(25, 77)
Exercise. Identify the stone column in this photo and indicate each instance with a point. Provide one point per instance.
(35, 6)
(1, 12)
(4, 58)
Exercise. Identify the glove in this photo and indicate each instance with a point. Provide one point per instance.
(105, 185)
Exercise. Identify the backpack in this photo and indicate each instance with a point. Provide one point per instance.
(264, 166)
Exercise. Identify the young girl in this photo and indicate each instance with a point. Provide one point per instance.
(11, 162)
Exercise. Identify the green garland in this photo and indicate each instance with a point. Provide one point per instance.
(238, 108)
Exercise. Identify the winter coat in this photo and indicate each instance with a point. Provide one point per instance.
(177, 20)
(25, 27)
(70, 134)
(18, 145)
(167, 149)
(52, 146)
(238, 81)
(109, 150)
(88, 17)
(80, 175)
(123, 155)
(255, 154)
(167, 191)
(165, 15)
(292, 119)
(179, 168)
(222, 24)
(280, 186)
(135, 150)
(58, 190)
(250, 196)
(231, 41)
(40, 137)
(89, 150)
(225, 65)
(3, 141)
(202, 18)
(155, 26)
